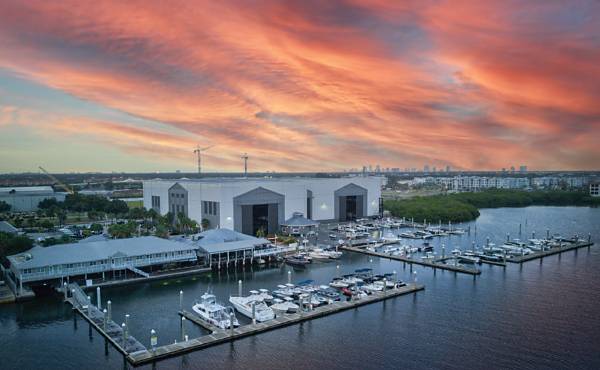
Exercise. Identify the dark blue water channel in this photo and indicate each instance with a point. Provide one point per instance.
(538, 315)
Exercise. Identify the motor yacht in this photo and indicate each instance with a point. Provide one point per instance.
(214, 313)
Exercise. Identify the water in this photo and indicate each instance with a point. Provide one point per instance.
(530, 316)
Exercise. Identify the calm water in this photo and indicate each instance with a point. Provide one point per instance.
(531, 316)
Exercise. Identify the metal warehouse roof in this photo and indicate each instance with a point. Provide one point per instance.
(8, 228)
(94, 251)
(226, 240)
(27, 189)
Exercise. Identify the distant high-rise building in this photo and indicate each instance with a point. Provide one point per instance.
(523, 169)
(447, 168)
(426, 168)
(512, 169)
(377, 169)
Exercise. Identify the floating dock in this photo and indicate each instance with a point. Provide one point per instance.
(219, 336)
(436, 264)
(554, 250)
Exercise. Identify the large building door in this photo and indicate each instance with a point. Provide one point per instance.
(256, 209)
(350, 202)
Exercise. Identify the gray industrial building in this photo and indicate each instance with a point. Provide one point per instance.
(247, 205)
(26, 199)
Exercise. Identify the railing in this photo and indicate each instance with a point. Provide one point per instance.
(138, 271)
(273, 251)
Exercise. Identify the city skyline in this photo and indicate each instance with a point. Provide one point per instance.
(314, 86)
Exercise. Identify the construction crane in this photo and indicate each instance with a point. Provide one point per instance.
(198, 152)
(245, 158)
(60, 183)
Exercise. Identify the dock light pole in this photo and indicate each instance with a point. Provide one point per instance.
(240, 288)
(289, 276)
(507, 237)
(384, 286)
(66, 291)
(533, 235)
(520, 225)
(98, 298)
(127, 323)
(473, 245)
(89, 306)
(310, 305)
(109, 310)
(547, 233)
(395, 276)
(337, 269)
(253, 313)
(183, 328)
(181, 300)
(153, 340)
(124, 331)
(104, 318)
(415, 277)
(443, 251)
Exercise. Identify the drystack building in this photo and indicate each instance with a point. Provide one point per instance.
(249, 204)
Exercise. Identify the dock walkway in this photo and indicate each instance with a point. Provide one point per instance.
(555, 250)
(219, 336)
(433, 264)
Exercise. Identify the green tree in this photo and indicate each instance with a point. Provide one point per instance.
(4, 207)
(121, 231)
(161, 231)
(205, 223)
(13, 244)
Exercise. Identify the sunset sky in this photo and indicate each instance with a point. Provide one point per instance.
(299, 85)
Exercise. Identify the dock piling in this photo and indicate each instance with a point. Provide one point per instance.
(127, 324)
(153, 340)
(109, 309)
(66, 291)
(443, 251)
(98, 298)
(181, 300)
(89, 306)
(547, 233)
(385, 286)
(254, 312)
(289, 276)
(240, 288)
(104, 319)
(183, 328)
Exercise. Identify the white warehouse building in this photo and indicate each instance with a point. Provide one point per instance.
(249, 204)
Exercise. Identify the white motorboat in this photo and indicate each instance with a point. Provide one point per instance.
(284, 291)
(285, 305)
(339, 283)
(214, 313)
(264, 295)
(319, 254)
(373, 287)
(244, 305)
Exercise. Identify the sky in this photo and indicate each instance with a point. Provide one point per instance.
(299, 85)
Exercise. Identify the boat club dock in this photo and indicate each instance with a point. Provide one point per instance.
(137, 354)
(436, 264)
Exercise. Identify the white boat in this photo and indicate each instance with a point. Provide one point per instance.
(213, 313)
(319, 254)
(284, 291)
(373, 287)
(244, 305)
(285, 305)
(338, 283)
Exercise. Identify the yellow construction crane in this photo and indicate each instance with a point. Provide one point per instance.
(60, 183)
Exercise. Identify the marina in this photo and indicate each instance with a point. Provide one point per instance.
(220, 329)
(219, 336)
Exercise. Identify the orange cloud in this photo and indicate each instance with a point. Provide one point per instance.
(324, 85)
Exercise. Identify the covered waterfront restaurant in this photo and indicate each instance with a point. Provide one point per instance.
(95, 260)
(298, 225)
(224, 247)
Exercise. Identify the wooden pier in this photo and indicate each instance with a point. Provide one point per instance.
(219, 336)
(552, 251)
(436, 264)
